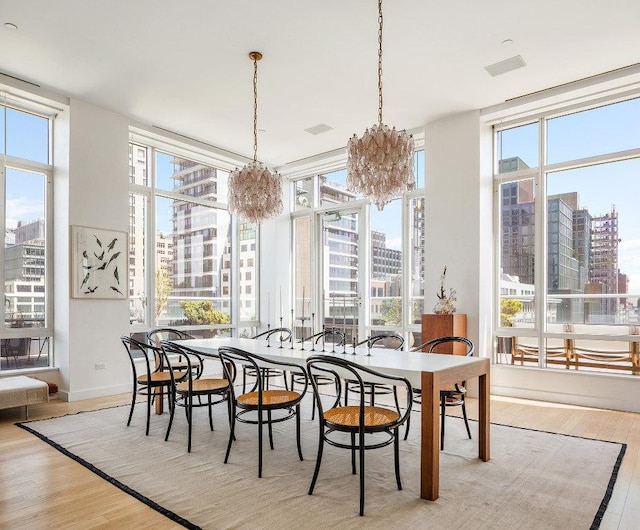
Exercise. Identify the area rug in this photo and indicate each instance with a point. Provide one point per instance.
(533, 480)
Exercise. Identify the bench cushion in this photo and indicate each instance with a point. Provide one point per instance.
(20, 390)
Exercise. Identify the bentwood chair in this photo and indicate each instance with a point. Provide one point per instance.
(250, 407)
(372, 389)
(193, 385)
(359, 421)
(156, 336)
(453, 395)
(282, 335)
(148, 380)
(316, 339)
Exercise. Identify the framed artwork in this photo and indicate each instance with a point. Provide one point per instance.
(99, 263)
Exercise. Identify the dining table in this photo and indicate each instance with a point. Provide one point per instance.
(427, 371)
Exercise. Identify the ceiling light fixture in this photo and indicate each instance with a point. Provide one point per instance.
(10, 25)
(255, 194)
(380, 164)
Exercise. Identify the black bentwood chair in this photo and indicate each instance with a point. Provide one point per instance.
(452, 396)
(282, 335)
(358, 421)
(317, 338)
(156, 336)
(193, 385)
(372, 389)
(259, 399)
(150, 381)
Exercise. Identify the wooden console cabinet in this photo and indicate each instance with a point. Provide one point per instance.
(455, 325)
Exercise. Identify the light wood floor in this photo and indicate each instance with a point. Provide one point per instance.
(41, 488)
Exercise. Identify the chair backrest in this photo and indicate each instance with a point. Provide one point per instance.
(338, 368)
(149, 353)
(192, 358)
(284, 334)
(331, 332)
(387, 338)
(431, 345)
(155, 336)
(231, 357)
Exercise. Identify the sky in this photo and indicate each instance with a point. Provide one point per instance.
(575, 136)
(600, 187)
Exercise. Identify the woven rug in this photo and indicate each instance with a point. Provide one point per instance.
(533, 480)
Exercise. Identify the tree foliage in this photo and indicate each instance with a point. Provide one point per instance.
(508, 309)
(202, 312)
(164, 285)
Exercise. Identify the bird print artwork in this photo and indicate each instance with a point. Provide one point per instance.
(100, 264)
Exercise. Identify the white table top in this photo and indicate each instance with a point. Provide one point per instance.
(402, 363)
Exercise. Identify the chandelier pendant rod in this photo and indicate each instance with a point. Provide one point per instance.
(255, 57)
(380, 26)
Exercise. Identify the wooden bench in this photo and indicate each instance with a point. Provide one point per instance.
(22, 391)
(574, 356)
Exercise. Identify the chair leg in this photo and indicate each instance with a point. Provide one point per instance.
(244, 379)
(395, 398)
(346, 393)
(396, 456)
(406, 430)
(148, 409)
(318, 459)
(298, 432)
(443, 409)
(361, 472)
(133, 402)
(172, 412)
(232, 428)
(353, 453)
(189, 419)
(260, 442)
(464, 415)
(270, 429)
(210, 412)
(372, 387)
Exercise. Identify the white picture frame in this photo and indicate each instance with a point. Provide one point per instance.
(99, 263)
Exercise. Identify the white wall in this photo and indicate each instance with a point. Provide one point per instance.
(90, 189)
(459, 219)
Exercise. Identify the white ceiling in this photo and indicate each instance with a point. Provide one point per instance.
(184, 66)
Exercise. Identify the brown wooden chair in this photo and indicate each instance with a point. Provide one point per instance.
(190, 384)
(452, 396)
(253, 404)
(358, 420)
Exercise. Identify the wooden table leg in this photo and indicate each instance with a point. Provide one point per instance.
(430, 438)
(484, 416)
(159, 400)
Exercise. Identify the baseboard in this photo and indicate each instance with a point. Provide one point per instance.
(93, 393)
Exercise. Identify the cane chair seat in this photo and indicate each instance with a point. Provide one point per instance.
(203, 386)
(349, 416)
(155, 378)
(269, 398)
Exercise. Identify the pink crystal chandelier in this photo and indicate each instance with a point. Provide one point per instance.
(380, 164)
(255, 194)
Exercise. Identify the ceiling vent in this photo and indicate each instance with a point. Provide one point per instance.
(319, 129)
(513, 63)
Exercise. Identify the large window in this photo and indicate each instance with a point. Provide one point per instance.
(190, 266)
(25, 174)
(569, 275)
(363, 268)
